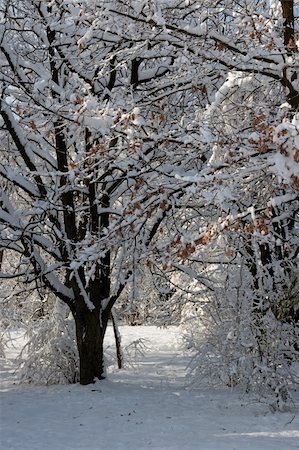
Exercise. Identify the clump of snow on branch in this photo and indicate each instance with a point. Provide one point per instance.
(287, 158)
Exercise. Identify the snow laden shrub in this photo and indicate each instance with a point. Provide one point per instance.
(286, 160)
(21, 307)
(240, 340)
(51, 355)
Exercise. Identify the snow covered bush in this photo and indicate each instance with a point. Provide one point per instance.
(236, 345)
(22, 307)
(242, 334)
(50, 355)
(287, 159)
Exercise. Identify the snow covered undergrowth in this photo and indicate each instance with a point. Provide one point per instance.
(145, 406)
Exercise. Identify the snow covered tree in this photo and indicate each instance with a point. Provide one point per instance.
(91, 177)
(132, 129)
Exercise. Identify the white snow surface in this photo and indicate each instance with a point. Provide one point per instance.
(147, 405)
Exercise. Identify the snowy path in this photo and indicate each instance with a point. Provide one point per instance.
(145, 406)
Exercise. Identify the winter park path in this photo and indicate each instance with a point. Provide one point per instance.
(145, 406)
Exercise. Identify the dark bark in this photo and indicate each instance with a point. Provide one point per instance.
(291, 48)
(22, 150)
(289, 32)
(119, 356)
(134, 71)
(90, 332)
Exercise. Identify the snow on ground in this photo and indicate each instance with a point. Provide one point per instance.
(145, 406)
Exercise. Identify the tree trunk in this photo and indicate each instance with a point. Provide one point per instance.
(289, 21)
(117, 337)
(90, 332)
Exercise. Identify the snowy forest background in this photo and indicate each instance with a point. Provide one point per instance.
(150, 175)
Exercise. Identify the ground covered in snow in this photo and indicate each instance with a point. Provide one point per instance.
(145, 406)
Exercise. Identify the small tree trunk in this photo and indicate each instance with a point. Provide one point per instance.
(119, 355)
(289, 21)
(90, 331)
